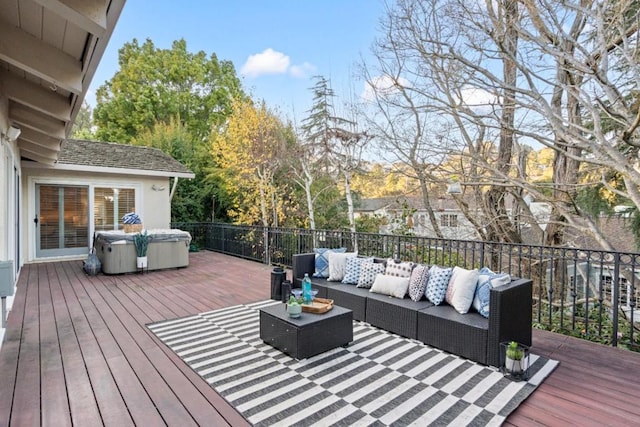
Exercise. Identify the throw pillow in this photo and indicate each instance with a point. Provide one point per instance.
(418, 282)
(399, 269)
(337, 264)
(368, 272)
(461, 289)
(352, 269)
(322, 261)
(437, 284)
(390, 285)
(487, 281)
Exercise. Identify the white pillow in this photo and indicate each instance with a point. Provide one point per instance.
(337, 265)
(461, 289)
(390, 285)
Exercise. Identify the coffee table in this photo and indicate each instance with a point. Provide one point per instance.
(308, 335)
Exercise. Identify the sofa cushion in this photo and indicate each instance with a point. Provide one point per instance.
(368, 273)
(461, 288)
(352, 269)
(418, 282)
(437, 283)
(399, 269)
(337, 264)
(390, 285)
(322, 260)
(487, 280)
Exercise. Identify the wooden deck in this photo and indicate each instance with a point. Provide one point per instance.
(77, 352)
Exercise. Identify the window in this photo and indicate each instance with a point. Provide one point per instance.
(110, 204)
(448, 220)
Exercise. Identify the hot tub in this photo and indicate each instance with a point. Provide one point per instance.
(167, 249)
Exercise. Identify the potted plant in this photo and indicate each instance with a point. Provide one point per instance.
(141, 242)
(294, 307)
(516, 359)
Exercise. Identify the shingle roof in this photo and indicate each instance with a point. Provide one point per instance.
(370, 205)
(120, 156)
(616, 229)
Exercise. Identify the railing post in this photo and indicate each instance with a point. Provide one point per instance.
(616, 298)
(266, 258)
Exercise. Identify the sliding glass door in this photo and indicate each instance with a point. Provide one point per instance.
(62, 220)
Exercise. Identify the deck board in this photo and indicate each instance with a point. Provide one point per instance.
(61, 363)
(77, 352)
(26, 401)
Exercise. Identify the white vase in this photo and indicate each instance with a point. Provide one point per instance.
(141, 262)
(514, 366)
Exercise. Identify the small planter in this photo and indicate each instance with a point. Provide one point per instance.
(294, 310)
(141, 262)
(141, 242)
(514, 360)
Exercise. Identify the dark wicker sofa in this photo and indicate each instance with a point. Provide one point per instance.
(468, 335)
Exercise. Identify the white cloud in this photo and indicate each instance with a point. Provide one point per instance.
(271, 61)
(477, 98)
(382, 86)
(302, 71)
(267, 62)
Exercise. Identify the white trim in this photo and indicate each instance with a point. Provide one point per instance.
(9, 159)
(110, 170)
(91, 184)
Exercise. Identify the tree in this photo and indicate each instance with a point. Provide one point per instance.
(154, 85)
(503, 16)
(248, 152)
(334, 140)
(172, 99)
(83, 125)
(507, 72)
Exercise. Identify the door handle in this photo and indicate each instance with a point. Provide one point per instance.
(35, 220)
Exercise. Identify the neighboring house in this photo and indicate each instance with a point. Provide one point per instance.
(49, 52)
(453, 224)
(89, 189)
(451, 220)
(372, 207)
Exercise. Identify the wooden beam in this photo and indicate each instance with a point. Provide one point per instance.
(39, 149)
(39, 138)
(24, 51)
(37, 121)
(35, 96)
(90, 15)
(38, 157)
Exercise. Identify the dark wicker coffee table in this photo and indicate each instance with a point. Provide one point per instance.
(308, 335)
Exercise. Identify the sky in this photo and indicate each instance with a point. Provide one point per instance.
(276, 46)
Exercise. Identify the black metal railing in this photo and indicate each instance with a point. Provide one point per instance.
(586, 293)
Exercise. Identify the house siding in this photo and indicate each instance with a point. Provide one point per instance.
(152, 206)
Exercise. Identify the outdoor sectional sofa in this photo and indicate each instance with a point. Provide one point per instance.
(470, 335)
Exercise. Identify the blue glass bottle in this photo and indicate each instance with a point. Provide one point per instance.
(306, 289)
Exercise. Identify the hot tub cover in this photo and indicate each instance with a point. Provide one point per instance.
(155, 235)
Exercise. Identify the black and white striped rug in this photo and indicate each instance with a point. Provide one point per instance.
(379, 379)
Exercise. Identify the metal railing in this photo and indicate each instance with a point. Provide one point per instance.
(586, 293)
